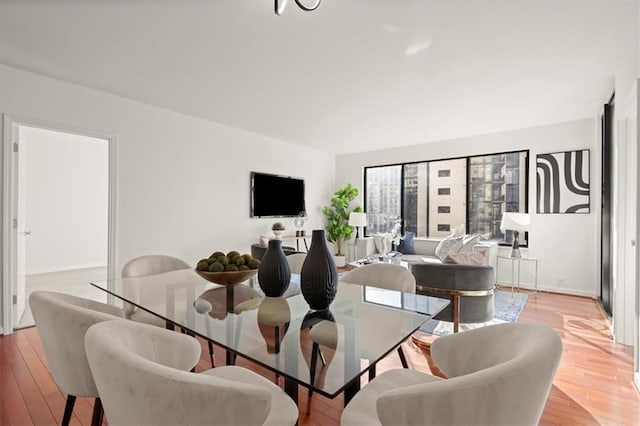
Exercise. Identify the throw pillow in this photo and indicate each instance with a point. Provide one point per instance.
(458, 231)
(406, 244)
(448, 245)
(383, 243)
(468, 241)
(473, 258)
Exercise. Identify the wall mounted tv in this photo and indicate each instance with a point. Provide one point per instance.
(276, 196)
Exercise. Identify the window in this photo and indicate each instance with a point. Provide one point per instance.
(383, 189)
(478, 190)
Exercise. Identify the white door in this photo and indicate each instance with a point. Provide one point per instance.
(22, 230)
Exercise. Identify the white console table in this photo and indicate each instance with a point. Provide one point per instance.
(293, 237)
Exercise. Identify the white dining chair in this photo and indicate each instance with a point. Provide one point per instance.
(153, 264)
(380, 275)
(134, 365)
(62, 321)
(295, 261)
(496, 375)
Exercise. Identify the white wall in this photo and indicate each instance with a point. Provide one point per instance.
(567, 245)
(66, 200)
(183, 182)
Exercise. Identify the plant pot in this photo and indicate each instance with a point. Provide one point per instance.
(340, 261)
(278, 233)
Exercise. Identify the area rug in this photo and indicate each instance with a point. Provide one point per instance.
(507, 308)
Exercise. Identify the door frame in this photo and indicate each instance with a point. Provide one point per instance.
(10, 124)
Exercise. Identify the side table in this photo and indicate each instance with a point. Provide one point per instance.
(516, 263)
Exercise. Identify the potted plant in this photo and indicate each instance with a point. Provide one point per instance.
(338, 229)
(278, 229)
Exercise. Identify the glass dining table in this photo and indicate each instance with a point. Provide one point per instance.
(364, 323)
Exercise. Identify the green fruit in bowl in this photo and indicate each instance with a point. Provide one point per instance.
(254, 264)
(203, 265)
(238, 260)
(231, 268)
(223, 259)
(216, 254)
(232, 254)
(243, 268)
(216, 267)
(247, 258)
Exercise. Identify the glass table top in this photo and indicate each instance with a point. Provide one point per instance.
(362, 326)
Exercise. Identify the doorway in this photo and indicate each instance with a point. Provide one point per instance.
(59, 199)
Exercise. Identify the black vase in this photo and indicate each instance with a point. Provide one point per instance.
(274, 274)
(319, 276)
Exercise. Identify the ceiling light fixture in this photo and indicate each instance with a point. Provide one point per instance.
(281, 4)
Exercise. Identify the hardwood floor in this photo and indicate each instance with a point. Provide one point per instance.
(594, 384)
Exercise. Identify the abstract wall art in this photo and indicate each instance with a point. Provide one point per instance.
(563, 182)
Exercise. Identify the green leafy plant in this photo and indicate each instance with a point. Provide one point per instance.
(338, 229)
(277, 227)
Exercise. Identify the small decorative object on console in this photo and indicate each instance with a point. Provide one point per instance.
(298, 222)
(278, 229)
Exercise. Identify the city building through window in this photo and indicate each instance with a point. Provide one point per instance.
(431, 198)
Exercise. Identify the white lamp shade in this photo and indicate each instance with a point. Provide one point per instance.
(357, 219)
(515, 222)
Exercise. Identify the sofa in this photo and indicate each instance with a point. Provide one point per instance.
(426, 250)
(258, 250)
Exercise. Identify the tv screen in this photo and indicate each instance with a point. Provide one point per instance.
(276, 196)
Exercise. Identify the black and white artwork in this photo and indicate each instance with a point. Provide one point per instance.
(563, 182)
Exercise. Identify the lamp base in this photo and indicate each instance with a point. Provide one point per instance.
(515, 248)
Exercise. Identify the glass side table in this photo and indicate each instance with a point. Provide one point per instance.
(516, 263)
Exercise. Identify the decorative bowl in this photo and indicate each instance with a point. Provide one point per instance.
(227, 277)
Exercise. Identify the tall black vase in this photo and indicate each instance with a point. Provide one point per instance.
(319, 276)
(274, 274)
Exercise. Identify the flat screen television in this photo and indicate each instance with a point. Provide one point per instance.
(276, 196)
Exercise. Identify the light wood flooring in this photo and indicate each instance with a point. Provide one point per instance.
(594, 384)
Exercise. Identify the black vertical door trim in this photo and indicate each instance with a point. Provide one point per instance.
(606, 274)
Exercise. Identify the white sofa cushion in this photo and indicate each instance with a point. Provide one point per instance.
(449, 245)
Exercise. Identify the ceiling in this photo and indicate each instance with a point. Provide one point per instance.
(354, 75)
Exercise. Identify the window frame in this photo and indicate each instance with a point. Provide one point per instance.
(467, 158)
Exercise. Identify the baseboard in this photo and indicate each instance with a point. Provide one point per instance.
(67, 268)
(559, 290)
(636, 379)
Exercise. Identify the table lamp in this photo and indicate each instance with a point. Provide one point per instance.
(515, 222)
(359, 220)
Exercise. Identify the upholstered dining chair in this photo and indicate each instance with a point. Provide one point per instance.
(62, 321)
(496, 375)
(295, 261)
(153, 264)
(139, 372)
(381, 275)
